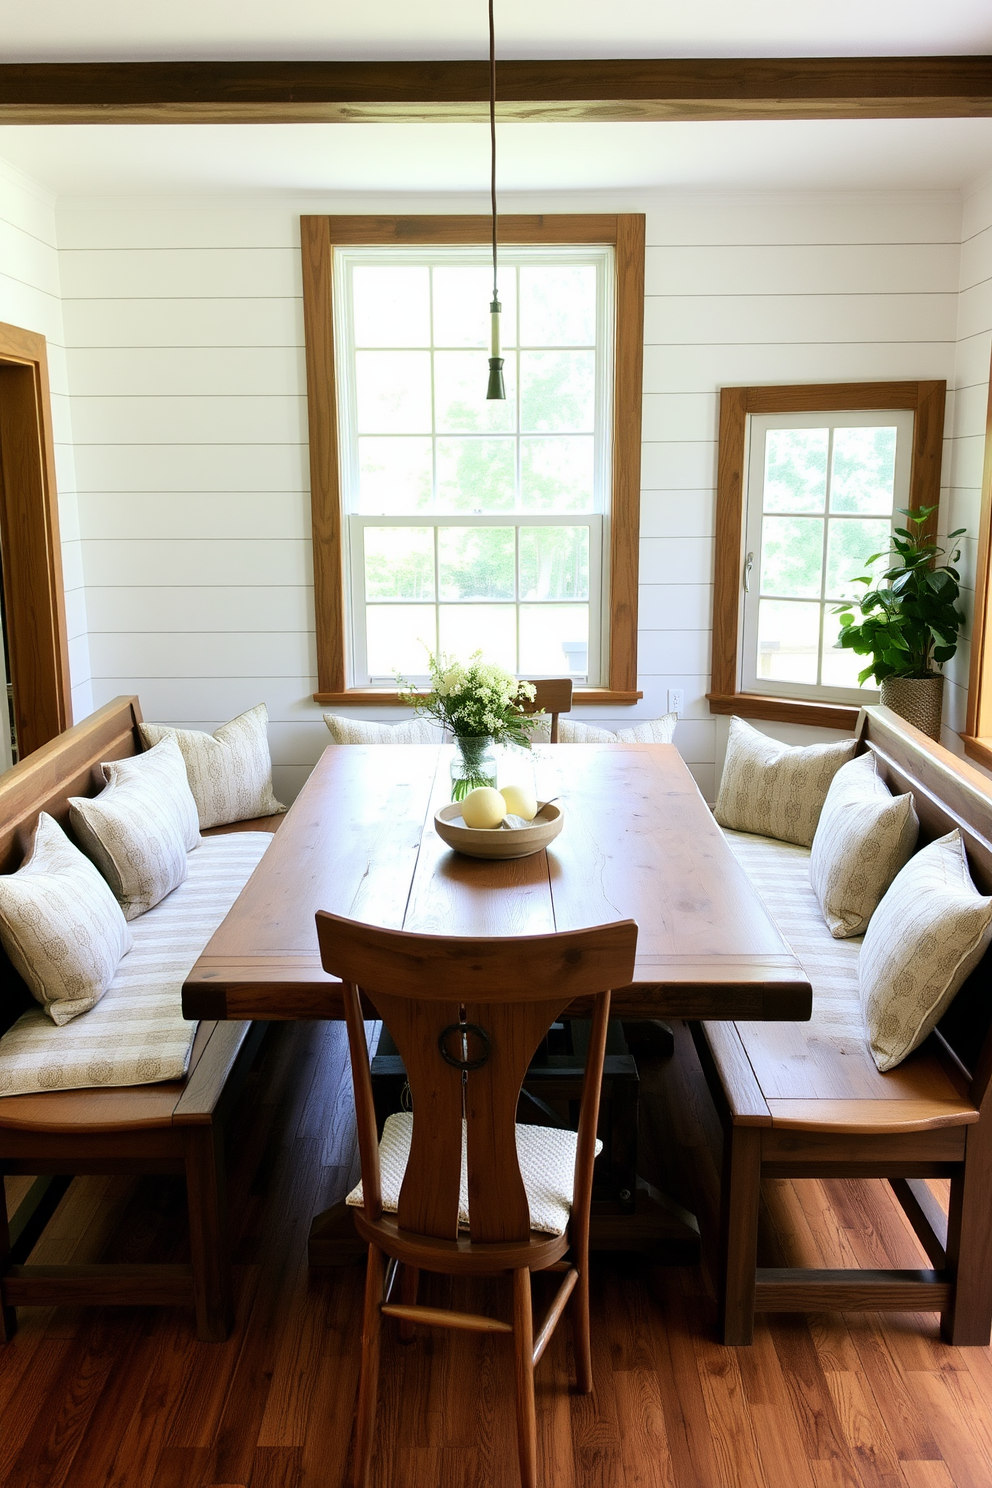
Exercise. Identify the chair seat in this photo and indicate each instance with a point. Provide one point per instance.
(820, 1075)
(547, 1165)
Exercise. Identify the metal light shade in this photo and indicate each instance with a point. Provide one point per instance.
(496, 389)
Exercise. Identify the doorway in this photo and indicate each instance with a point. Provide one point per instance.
(37, 671)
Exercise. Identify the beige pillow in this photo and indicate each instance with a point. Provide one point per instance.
(777, 790)
(650, 731)
(60, 925)
(864, 836)
(929, 932)
(360, 731)
(140, 827)
(229, 771)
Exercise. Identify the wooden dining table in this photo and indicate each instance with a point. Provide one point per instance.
(638, 842)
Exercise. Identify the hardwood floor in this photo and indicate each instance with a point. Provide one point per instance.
(130, 1399)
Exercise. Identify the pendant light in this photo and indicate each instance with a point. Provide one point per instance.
(496, 388)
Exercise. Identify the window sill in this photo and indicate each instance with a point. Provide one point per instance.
(979, 750)
(385, 697)
(786, 710)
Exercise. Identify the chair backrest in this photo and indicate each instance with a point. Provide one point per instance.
(552, 695)
(466, 1015)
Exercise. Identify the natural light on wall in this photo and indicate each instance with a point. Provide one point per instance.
(474, 523)
(822, 493)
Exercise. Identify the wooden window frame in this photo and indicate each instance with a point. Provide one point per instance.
(977, 737)
(33, 591)
(925, 399)
(624, 232)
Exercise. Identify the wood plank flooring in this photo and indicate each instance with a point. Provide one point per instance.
(129, 1399)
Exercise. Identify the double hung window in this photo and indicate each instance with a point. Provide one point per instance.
(473, 524)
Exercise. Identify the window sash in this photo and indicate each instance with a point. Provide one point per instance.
(758, 428)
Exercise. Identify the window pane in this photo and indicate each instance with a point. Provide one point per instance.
(462, 296)
(840, 668)
(398, 638)
(796, 470)
(788, 641)
(558, 305)
(394, 392)
(864, 470)
(475, 474)
(399, 562)
(394, 476)
(791, 555)
(849, 543)
(491, 629)
(392, 306)
(557, 391)
(554, 563)
(460, 402)
(476, 562)
(554, 640)
(557, 474)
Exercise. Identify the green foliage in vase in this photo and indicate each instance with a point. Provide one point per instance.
(907, 621)
(475, 700)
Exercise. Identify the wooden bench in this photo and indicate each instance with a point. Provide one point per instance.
(800, 1107)
(174, 1127)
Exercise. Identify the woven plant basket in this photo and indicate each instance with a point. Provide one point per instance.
(917, 699)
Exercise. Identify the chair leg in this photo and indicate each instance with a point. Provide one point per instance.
(368, 1384)
(206, 1191)
(968, 1321)
(523, 1348)
(8, 1315)
(741, 1189)
(409, 1282)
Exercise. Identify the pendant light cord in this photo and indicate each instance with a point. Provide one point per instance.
(492, 128)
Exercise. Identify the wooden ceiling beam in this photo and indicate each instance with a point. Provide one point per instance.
(597, 91)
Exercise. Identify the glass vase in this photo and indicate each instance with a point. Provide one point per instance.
(472, 764)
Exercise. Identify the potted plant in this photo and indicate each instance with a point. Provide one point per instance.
(907, 621)
(481, 705)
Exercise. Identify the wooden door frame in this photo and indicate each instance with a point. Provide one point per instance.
(34, 595)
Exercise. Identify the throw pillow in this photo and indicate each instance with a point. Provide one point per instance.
(140, 827)
(929, 932)
(229, 771)
(360, 731)
(60, 925)
(864, 836)
(776, 790)
(649, 731)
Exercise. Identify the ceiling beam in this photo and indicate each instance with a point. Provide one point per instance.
(598, 91)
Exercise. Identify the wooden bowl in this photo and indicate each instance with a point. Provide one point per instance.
(498, 842)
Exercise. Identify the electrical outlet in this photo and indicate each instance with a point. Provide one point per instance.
(676, 700)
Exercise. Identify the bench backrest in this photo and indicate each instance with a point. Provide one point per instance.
(68, 765)
(948, 793)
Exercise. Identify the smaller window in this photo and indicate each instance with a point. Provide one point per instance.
(822, 494)
(810, 481)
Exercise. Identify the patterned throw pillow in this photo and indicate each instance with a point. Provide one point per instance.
(60, 925)
(360, 731)
(776, 790)
(649, 731)
(927, 935)
(229, 771)
(140, 827)
(864, 836)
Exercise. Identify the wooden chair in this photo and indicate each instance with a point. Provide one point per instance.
(796, 1106)
(466, 1018)
(552, 695)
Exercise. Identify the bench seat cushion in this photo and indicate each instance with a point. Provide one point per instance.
(818, 1075)
(136, 1034)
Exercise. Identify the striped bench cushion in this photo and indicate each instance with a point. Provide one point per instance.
(136, 1033)
(780, 873)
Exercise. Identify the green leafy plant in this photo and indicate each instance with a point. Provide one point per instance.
(475, 700)
(909, 620)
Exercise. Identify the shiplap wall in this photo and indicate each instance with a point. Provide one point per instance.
(971, 383)
(30, 297)
(185, 354)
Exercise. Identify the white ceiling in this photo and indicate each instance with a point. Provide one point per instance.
(72, 30)
(194, 159)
